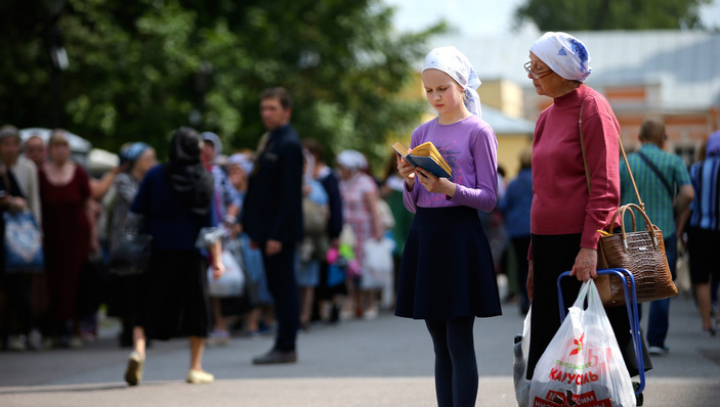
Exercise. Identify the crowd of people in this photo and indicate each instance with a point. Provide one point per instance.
(314, 241)
(301, 254)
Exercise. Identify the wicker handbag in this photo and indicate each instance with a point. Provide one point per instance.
(642, 252)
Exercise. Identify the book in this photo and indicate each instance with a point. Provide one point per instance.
(427, 157)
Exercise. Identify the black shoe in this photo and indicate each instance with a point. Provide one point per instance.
(275, 357)
(334, 315)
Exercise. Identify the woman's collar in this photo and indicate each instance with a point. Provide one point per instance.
(570, 97)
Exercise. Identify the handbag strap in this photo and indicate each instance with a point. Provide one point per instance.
(648, 224)
(582, 147)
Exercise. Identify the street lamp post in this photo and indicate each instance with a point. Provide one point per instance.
(202, 83)
(58, 56)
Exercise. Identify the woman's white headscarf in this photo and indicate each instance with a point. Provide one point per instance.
(564, 54)
(455, 63)
(352, 160)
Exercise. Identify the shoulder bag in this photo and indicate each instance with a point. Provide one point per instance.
(133, 252)
(22, 240)
(641, 252)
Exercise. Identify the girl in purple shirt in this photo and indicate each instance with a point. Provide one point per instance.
(447, 276)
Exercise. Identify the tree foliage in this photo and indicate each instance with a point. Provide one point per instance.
(574, 15)
(138, 69)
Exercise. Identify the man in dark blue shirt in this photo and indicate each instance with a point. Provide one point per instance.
(272, 217)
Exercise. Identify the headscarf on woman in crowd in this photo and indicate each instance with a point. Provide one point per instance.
(186, 174)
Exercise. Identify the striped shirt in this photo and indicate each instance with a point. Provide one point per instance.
(706, 205)
(658, 201)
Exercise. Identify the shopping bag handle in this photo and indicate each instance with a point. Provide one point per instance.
(630, 294)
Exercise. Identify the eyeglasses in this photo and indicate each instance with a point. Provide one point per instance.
(528, 69)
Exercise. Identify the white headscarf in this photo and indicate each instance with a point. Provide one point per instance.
(213, 138)
(352, 160)
(564, 54)
(242, 161)
(454, 63)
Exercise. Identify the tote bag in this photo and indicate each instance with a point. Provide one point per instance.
(23, 243)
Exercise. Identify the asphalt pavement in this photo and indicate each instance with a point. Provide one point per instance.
(384, 362)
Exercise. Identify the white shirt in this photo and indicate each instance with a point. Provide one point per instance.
(26, 174)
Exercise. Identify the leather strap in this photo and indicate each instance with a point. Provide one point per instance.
(582, 147)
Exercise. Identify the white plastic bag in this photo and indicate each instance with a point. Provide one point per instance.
(377, 264)
(231, 283)
(583, 365)
(522, 349)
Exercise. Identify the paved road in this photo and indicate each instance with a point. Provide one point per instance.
(386, 362)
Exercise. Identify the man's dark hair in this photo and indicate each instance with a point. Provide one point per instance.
(652, 130)
(278, 93)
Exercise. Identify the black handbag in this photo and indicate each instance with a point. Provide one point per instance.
(132, 256)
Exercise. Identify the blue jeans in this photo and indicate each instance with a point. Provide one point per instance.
(658, 320)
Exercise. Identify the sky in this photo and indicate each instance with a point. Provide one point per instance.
(482, 17)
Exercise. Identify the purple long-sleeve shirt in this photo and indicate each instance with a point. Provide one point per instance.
(470, 148)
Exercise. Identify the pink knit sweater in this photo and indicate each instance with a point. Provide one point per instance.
(561, 204)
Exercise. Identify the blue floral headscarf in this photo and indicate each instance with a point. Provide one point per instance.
(564, 54)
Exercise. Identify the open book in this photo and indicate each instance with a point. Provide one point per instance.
(427, 157)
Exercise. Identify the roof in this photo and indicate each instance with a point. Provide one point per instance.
(503, 124)
(686, 64)
(500, 123)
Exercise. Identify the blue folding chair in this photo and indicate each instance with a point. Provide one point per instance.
(631, 303)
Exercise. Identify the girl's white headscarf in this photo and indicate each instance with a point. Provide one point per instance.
(454, 63)
(564, 54)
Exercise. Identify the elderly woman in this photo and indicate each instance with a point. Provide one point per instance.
(359, 197)
(565, 216)
(65, 194)
(138, 158)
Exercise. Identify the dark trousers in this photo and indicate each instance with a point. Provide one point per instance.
(280, 273)
(521, 246)
(552, 256)
(17, 290)
(456, 374)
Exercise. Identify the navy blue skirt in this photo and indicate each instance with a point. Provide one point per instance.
(447, 271)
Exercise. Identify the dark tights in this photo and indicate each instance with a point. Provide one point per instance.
(456, 374)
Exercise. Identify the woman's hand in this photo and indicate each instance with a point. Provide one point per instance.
(585, 266)
(378, 234)
(17, 204)
(530, 283)
(218, 269)
(406, 171)
(435, 184)
(273, 247)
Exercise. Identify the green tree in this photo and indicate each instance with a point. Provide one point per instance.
(574, 15)
(139, 69)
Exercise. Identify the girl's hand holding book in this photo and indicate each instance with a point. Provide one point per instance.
(406, 171)
(435, 184)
